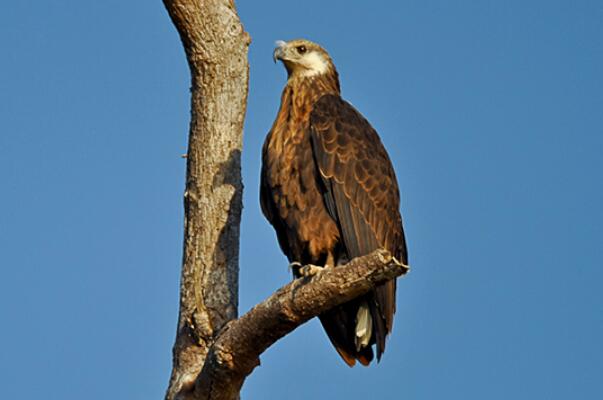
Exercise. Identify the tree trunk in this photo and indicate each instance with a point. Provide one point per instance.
(216, 49)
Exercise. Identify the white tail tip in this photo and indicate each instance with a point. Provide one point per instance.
(364, 326)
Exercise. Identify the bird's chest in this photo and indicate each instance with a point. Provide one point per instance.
(291, 169)
(292, 177)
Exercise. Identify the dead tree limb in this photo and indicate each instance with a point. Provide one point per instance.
(236, 350)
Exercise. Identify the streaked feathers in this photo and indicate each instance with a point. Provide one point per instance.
(330, 191)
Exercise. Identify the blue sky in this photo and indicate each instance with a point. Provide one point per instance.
(492, 113)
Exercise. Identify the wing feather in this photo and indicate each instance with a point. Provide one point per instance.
(361, 193)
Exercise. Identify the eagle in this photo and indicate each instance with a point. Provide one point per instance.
(329, 190)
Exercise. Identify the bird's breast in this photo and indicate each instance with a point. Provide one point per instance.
(291, 174)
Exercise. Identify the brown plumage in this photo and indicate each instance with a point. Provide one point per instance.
(329, 189)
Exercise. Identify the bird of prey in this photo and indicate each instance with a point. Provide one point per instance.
(329, 190)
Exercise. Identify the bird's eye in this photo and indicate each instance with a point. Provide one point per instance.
(301, 49)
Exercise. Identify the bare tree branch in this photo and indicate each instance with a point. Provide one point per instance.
(236, 350)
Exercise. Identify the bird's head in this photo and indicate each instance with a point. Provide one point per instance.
(303, 58)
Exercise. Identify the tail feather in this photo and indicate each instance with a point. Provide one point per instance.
(348, 358)
(379, 326)
(354, 327)
(364, 326)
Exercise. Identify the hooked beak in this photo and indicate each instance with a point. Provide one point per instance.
(279, 50)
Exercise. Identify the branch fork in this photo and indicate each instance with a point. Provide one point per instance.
(236, 349)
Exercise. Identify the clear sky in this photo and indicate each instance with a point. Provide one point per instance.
(492, 112)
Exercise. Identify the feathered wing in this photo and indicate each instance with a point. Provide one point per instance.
(361, 194)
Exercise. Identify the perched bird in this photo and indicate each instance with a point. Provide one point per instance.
(329, 190)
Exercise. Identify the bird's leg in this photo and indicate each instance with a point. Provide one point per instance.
(300, 270)
(309, 270)
(330, 260)
(303, 271)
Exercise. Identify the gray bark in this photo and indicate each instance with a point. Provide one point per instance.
(216, 49)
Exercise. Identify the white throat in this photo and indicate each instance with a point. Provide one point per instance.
(314, 65)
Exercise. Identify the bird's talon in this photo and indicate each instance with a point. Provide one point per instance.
(294, 267)
(309, 270)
